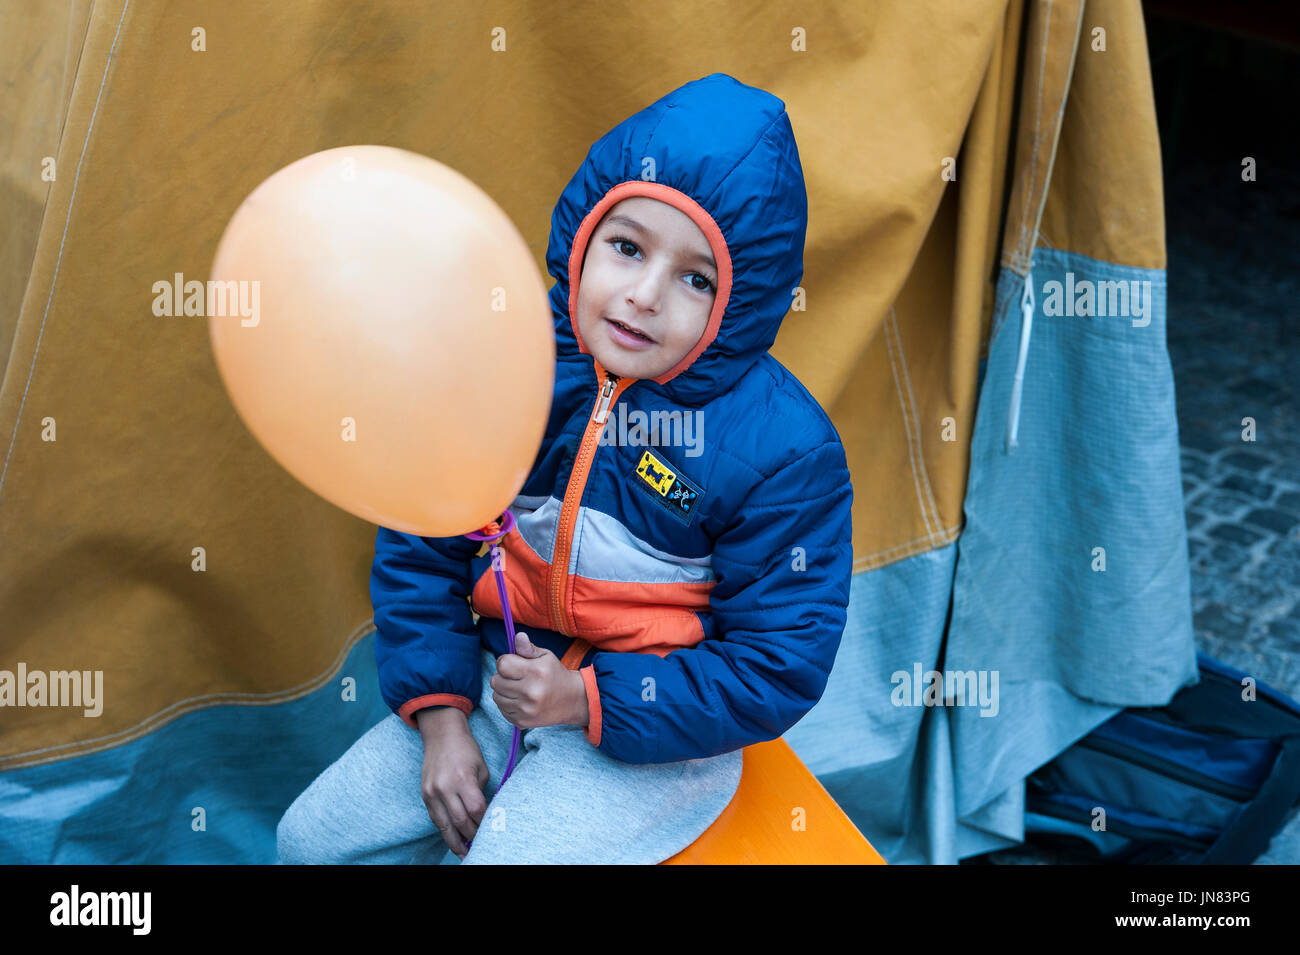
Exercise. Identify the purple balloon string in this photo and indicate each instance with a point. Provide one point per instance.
(507, 525)
(510, 638)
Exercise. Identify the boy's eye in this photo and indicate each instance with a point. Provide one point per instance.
(618, 242)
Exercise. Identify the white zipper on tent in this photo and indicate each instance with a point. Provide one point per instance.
(1018, 381)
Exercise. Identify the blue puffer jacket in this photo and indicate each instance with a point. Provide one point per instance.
(699, 584)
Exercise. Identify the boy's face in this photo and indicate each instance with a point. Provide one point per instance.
(649, 266)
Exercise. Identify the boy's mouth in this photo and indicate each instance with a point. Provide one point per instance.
(628, 336)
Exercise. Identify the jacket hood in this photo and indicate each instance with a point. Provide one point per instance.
(723, 153)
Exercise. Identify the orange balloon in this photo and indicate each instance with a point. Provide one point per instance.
(395, 352)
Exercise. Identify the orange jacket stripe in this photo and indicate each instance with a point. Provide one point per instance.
(409, 708)
(592, 731)
(611, 615)
(572, 658)
(637, 617)
(526, 586)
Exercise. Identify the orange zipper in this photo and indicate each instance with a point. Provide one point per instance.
(608, 393)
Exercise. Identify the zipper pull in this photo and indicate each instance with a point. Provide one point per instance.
(602, 409)
(1018, 379)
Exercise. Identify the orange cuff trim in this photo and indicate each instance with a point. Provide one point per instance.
(573, 656)
(593, 705)
(409, 708)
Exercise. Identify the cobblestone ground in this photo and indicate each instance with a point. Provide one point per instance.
(1234, 344)
(1233, 341)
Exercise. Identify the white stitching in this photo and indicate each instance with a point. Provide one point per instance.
(1038, 114)
(920, 452)
(945, 533)
(54, 280)
(907, 430)
(162, 717)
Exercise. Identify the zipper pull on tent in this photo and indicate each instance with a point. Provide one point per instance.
(1017, 382)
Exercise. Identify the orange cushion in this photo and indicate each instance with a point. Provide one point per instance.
(780, 815)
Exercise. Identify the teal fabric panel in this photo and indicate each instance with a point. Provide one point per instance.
(1095, 474)
(243, 765)
(1096, 466)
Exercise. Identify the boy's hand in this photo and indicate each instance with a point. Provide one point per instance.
(532, 688)
(453, 776)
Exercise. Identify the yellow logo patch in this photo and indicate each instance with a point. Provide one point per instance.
(655, 473)
(668, 488)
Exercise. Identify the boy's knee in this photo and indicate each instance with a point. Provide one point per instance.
(287, 840)
(294, 843)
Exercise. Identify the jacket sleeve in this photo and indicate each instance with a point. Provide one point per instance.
(426, 642)
(779, 603)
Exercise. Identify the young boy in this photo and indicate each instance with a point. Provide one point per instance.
(679, 569)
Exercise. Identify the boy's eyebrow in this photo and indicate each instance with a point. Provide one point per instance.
(633, 224)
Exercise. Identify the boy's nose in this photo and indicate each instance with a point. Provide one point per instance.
(646, 292)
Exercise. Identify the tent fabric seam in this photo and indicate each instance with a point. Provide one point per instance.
(67, 222)
(1038, 116)
(950, 534)
(164, 716)
(911, 428)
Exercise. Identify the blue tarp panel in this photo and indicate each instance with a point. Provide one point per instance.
(1096, 467)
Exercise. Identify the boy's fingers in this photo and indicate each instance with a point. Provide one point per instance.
(450, 836)
(469, 828)
(475, 802)
(461, 831)
(527, 649)
(512, 666)
(504, 690)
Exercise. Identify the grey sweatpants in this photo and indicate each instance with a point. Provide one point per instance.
(565, 802)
